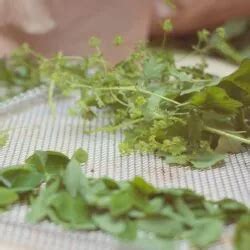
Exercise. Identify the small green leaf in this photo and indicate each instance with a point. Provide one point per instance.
(216, 98)
(167, 26)
(107, 223)
(140, 184)
(49, 162)
(72, 177)
(205, 231)
(40, 204)
(7, 197)
(152, 69)
(241, 77)
(130, 231)
(206, 160)
(72, 210)
(121, 202)
(242, 232)
(232, 209)
(80, 155)
(154, 205)
(21, 178)
(118, 40)
(152, 106)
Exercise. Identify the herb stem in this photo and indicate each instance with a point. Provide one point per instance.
(131, 88)
(50, 97)
(162, 97)
(114, 128)
(229, 135)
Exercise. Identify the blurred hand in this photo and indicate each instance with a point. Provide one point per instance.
(30, 16)
(73, 22)
(192, 15)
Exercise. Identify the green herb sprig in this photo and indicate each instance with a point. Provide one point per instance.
(56, 189)
(18, 73)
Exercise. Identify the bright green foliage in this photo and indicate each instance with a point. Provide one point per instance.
(167, 26)
(19, 72)
(118, 40)
(161, 108)
(94, 42)
(217, 42)
(133, 211)
(7, 197)
(178, 113)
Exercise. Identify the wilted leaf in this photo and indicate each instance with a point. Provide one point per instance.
(227, 145)
(241, 77)
(206, 160)
(216, 98)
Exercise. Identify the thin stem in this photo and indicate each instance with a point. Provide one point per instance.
(114, 128)
(162, 97)
(117, 99)
(229, 135)
(164, 40)
(131, 88)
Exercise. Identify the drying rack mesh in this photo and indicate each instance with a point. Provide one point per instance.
(32, 126)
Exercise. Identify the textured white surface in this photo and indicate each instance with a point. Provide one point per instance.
(32, 126)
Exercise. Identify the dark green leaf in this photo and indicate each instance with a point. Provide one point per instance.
(72, 177)
(143, 186)
(227, 145)
(242, 232)
(205, 160)
(50, 162)
(215, 98)
(241, 77)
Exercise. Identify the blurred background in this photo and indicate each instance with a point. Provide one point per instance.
(50, 26)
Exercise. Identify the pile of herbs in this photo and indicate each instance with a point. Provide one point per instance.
(18, 73)
(56, 189)
(183, 114)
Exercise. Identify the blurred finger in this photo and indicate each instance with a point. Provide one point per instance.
(31, 16)
(7, 45)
